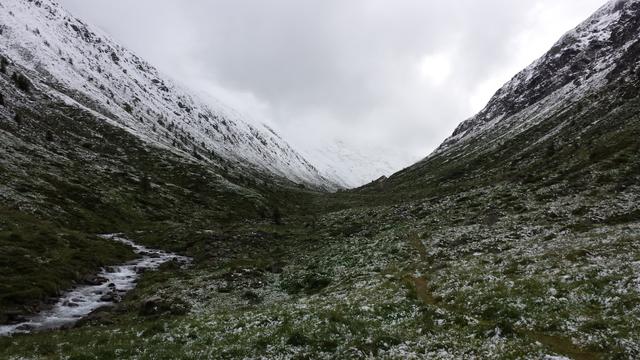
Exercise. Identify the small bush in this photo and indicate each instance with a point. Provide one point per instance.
(145, 184)
(296, 338)
(310, 283)
(3, 64)
(277, 216)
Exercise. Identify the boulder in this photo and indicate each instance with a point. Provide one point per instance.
(68, 303)
(25, 328)
(151, 306)
(95, 280)
(155, 305)
(110, 297)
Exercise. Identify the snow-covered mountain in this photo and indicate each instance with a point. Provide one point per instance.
(79, 64)
(601, 50)
(351, 167)
(577, 99)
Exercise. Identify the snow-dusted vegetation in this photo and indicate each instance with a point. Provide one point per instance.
(517, 239)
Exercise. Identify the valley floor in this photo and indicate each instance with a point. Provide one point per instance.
(531, 275)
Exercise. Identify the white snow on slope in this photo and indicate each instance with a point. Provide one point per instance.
(65, 55)
(576, 66)
(352, 167)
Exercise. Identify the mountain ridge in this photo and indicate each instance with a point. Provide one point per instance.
(79, 63)
(567, 60)
(550, 94)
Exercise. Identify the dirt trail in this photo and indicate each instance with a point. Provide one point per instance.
(422, 290)
(420, 283)
(417, 244)
(561, 345)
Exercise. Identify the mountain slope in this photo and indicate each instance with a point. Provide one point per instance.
(581, 63)
(572, 98)
(80, 65)
(93, 140)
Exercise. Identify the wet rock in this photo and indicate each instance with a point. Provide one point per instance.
(70, 304)
(102, 316)
(95, 280)
(110, 297)
(13, 317)
(25, 327)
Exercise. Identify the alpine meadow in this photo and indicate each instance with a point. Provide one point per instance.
(140, 219)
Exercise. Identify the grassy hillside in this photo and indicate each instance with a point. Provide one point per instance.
(66, 176)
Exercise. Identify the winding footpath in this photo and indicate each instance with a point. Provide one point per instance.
(82, 300)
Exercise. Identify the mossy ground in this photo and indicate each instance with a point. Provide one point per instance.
(519, 249)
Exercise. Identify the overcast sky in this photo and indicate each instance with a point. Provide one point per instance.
(378, 74)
